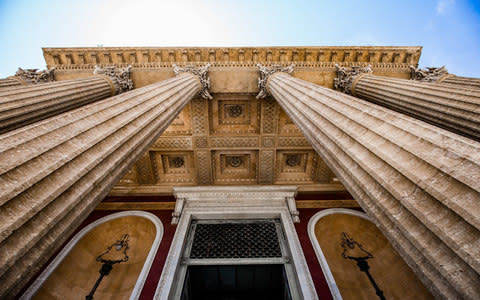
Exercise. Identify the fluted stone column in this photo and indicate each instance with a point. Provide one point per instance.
(9, 83)
(441, 76)
(54, 173)
(419, 184)
(453, 108)
(26, 77)
(28, 104)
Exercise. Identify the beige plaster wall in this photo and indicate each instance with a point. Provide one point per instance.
(78, 272)
(391, 273)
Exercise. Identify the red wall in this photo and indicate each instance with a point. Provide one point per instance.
(169, 231)
(313, 265)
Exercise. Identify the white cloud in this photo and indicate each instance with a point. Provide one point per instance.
(443, 6)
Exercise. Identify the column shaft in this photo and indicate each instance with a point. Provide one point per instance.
(454, 109)
(54, 173)
(418, 183)
(28, 104)
(465, 82)
(9, 83)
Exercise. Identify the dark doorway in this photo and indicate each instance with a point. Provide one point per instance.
(240, 282)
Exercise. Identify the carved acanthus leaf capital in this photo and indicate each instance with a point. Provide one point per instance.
(346, 77)
(201, 72)
(119, 76)
(430, 74)
(35, 76)
(265, 73)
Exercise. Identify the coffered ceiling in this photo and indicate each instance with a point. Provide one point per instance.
(233, 139)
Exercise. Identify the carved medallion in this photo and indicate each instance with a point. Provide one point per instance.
(235, 161)
(293, 160)
(178, 162)
(234, 111)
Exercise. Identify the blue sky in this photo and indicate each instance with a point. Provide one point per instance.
(448, 30)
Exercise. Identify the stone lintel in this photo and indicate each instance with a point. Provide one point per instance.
(232, 198)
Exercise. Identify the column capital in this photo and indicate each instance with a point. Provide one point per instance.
(347, 76)
(429, 74)
(34, 75)
(201, 73)
(265, 73)
(120, 77)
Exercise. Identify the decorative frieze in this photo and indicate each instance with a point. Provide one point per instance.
(346, 77)
(203, 165)
(146, 55)
(173, 143)
(266, 167)
(199, 117)
(269, 116)
(234, 142)
(293, 142)
(119, 76)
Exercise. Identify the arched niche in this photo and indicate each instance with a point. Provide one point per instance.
(74, 271)
(343, 276)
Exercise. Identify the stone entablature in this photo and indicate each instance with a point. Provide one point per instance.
(218, 55)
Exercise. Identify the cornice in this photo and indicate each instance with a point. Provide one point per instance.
(231, 56)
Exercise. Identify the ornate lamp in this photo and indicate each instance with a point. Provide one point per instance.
(108, 259)
(354, 251)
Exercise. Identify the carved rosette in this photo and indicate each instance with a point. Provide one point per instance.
(35, 76)
(119, 76)
(201, 72)
(430, 74)
(265, 73)
(346, 77)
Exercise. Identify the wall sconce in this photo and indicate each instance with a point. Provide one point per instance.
(360, 255)
(108, 259)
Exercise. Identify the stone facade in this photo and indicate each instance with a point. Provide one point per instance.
(180, 127)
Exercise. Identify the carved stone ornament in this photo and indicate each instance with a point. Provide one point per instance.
(235, 111)
(293, 160)
(201, 72)
(35, 76)
(119, 76)
(265, 73)
(235, 161)
(428, 74)
(346, 76)
(178, 162)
